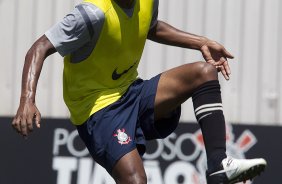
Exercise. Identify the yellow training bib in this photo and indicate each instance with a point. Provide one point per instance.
(105, 75)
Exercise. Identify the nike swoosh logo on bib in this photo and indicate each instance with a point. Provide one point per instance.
(116, 76)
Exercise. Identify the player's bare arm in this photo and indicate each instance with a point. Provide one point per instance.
(213, 52)
(28, 113)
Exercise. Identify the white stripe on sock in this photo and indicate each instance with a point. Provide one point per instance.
(208, 105)
(204, 116)
(209, 109)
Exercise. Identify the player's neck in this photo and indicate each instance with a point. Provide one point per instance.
(125, 3)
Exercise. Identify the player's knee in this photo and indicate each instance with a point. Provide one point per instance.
(205, 71)
(136, 178)
(132, 177)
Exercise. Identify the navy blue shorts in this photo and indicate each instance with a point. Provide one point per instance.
(126, 124)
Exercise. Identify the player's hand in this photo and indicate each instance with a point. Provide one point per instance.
(26, 116)
(215, 54)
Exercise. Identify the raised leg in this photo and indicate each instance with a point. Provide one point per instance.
(200, 81)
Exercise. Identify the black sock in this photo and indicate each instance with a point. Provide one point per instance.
(209, 114)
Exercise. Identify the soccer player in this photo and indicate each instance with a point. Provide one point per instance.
(114, 111)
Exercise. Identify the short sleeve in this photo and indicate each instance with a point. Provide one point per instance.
(73, 32)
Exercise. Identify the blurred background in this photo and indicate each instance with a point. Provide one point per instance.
(249, 29)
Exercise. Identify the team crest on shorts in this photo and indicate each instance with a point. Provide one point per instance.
(122, 137)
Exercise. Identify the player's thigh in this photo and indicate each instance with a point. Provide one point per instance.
(178, 84)
(129, 169)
